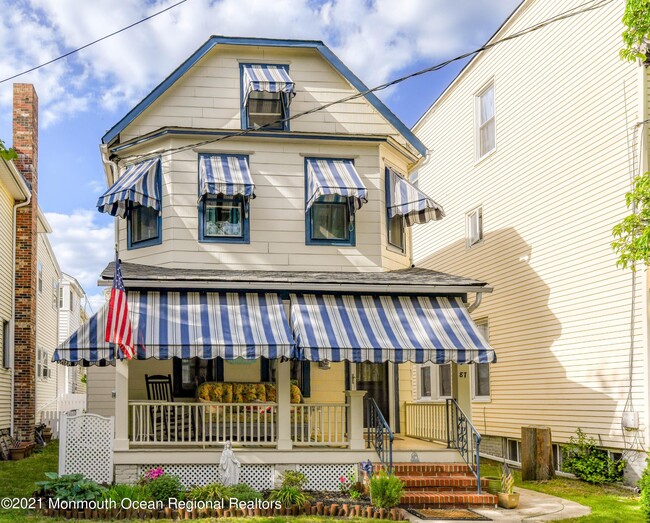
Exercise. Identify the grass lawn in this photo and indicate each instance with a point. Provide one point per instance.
(609, 504)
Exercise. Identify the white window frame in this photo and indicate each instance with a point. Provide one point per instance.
(40, 278)
(55, 293)
(474, 220)
(478, 97)
(517, 443)
(483, 325)
(435, 382)
(43, 370)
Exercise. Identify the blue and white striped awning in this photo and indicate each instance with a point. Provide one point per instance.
(225, 174)
(267, 78)
(327, 176)
(139, 183)
(404, 199)
(188, 325)
(386, 328)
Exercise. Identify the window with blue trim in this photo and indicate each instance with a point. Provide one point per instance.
(143, 226)
(267, 104)
(224, 219)
(329, 221)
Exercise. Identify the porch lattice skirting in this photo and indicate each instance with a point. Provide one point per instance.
(260, 477)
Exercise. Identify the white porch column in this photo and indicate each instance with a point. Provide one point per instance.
(121, 405)
(463, 393)
(355, 418)
(283, 393)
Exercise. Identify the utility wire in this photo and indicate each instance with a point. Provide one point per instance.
(93, 42)
(591, 5)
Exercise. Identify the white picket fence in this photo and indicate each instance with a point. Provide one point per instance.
(51, 413)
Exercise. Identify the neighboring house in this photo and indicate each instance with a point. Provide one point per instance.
(13, 191)
(262, 249)
(533, 147)
(48, 276)
(72, 314)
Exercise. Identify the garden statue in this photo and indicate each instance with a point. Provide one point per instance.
(229, 465)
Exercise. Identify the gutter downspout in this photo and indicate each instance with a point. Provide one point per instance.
(477, 302)
(13, 307)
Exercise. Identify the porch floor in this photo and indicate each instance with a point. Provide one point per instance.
(406, 443)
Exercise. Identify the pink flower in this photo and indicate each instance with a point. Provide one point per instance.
(342, 479)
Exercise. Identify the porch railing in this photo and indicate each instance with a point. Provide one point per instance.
(159, 423)
(319, 424)
(379, 434)
(462, 436)
(426, 421)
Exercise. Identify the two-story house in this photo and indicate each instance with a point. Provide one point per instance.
(535, 144)
(263, 216)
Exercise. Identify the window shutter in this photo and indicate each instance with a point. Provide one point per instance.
(306, 379)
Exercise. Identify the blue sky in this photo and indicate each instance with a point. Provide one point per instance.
(84, 95)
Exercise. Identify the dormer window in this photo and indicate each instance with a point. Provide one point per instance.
(267, 91)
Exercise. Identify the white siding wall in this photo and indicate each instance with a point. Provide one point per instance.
(6, 281)
(99, 397)
(47, 321)
(559, 317)
(209, 96)
(69, 322)
(277, 214)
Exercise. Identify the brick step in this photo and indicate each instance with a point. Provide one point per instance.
(430, 469)
(442, 499)
(437, 483)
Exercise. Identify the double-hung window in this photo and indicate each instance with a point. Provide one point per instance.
(136, 196)
(434, 381)
(481, 371)
(474, 226)
(225, 188)
(267, 90)
(333, 193)
(485, 120)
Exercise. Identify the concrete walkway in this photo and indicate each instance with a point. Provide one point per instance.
(533, 506)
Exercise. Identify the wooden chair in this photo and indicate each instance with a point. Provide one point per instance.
(159, 387)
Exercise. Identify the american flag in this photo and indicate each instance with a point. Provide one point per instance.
(118, 325)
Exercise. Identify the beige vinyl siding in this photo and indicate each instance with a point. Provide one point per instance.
(277, 214)
(6, 281)
(551, 193)
(99, 394)
(209, 96)
(47, 322)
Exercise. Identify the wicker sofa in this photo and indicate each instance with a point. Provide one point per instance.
(235, 392)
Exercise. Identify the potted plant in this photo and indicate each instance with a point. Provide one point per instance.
(507, 498)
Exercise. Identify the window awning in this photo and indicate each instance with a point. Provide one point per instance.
(139, 183)
(386, 328)
(267, 78)
(404, 199)
(187, 325)
(225, 174)
(327, 176)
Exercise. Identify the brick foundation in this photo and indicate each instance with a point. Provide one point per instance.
(25, 142)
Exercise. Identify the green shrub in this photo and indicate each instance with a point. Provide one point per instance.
(120, 491)
(288, 496)
(209, 492)
(385, 490)
(71, 487)
(243, 492)
(293, 478)
(164, 487)
(644, 485)
(584, 459)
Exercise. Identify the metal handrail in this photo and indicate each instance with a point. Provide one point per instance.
(466, 439)
(378, 431)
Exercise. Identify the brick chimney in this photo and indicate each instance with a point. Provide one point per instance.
(25, 142)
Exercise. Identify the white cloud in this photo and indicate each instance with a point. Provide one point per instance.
(374, 38)
(82, 247)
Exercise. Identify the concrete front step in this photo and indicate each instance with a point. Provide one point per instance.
(438, 483)
(442, 499)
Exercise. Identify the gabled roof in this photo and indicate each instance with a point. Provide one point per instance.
(319, 46)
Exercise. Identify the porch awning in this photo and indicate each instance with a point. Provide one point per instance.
(327, 176)
(187, 325)
(386, 328)
(404, 199)
(225, 174)
(267, 78)
(140, 183)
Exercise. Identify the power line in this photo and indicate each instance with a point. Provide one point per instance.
(580, 9)
(93, 42)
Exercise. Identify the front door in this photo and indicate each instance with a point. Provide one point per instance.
(373, 378)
